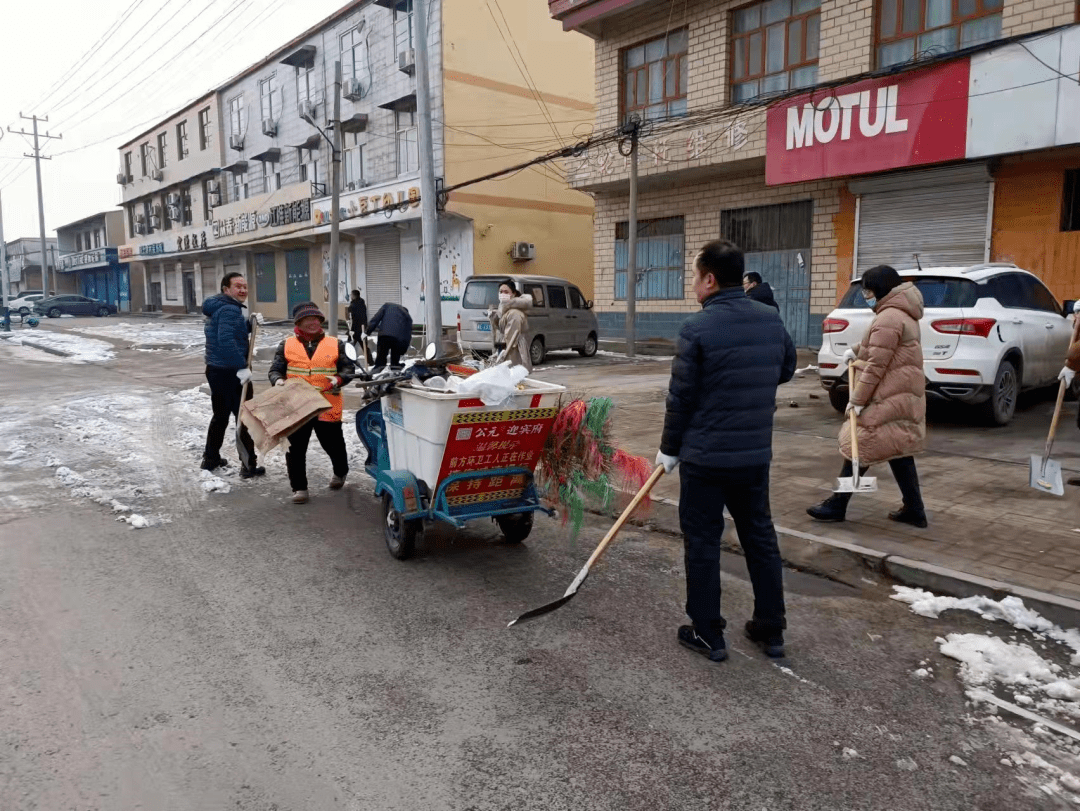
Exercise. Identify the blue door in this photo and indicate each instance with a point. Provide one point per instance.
(298, 275)
(123, 286)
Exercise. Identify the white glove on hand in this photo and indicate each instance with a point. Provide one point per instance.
(243, 375)
(260, 319)
(848, 358)
(280, 381)
(1067, 375)
(852, 407)
(669, 462)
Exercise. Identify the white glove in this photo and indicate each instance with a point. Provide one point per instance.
(1067, 375)
(260, 319)
(243, 375)
(669, 462)
(852, 407)
(280, 381)
(848, 358)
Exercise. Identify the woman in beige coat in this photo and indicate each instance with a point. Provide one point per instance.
(889, 399)
(510, 325)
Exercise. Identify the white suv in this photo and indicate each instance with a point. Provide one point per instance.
(988, 331)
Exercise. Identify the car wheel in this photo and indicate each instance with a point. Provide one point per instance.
(54, 312)
(1001, 406)
(104, 311)
(838, 398)
(536, 351)
(589, 349)
(24, 311)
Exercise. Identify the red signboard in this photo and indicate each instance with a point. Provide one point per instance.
(489, 440)
(910, 119)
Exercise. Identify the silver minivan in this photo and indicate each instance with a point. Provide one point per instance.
(560, 317)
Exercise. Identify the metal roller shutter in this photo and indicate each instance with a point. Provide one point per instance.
(941, 215)
(383, 263)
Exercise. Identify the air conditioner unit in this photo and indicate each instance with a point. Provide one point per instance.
(269, 127)
(353, 89)
(155, 210)
(520, 251)
(140, 228)
(172, 199)
(236, 141)
(140, 218)
(306, 110)
(174, 212)
(406, 61)
(157, 175)
(350, 186)
(122, 179)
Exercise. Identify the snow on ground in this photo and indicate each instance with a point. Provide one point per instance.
(181, 335)
(77, 348)
(136, 453)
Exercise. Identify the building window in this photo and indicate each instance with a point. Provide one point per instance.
(162, 145)
(204, 129)
(403, 25)
(170, 273)
(131, 221)
(127, 164)
(265, 278)
(239, 187)
(144, 158)
(660, 259)
(97, 239)
(917, 29)
(1070, 203)
(354, 56)
(181, 140)
(768, 229)
(774, 47)
(354, 165)
(78, 242)
(267, 88)
(408, 148)
(236, 116)
(304, 84)
(654, 77)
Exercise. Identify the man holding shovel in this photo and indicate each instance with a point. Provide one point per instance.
(1072, 366)
(730, 358)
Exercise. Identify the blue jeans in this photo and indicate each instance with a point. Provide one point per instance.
(745, 492)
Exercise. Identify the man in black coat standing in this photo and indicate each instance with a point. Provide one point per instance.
(394, 325)
(758, 290)
(730, 358)
(357, 315)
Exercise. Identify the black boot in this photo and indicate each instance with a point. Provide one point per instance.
(211, 463)
(770, 640)
(831, 510)
(906, 516)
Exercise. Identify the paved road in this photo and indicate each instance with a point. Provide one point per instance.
(252, 654)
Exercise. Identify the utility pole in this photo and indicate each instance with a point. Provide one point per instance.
(429, 213)
(4, 272)
(634, 128)
(335, 203)
(40, 200)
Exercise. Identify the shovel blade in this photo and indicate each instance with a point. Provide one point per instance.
(542, 610)
(865, 484)
(1046, 476)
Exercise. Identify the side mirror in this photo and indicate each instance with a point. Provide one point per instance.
(431, 351)
(350, 351)
(1068, 308)
(588, 304)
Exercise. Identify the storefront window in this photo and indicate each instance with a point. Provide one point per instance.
(407, 144)
(909, 30)
(774, 47)
(660, 259)
(654, 77)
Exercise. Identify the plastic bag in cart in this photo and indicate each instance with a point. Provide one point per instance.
(494, 386)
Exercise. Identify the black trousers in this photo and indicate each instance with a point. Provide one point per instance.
(907, 478)
(703, 496)
(393, 346)
(225, 393)
(332, 439)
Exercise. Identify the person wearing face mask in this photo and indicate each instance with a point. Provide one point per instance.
(313, 356)
(889, 399)
(510, 325)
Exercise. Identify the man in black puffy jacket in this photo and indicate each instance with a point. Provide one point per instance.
(730, 358)
(758, 290)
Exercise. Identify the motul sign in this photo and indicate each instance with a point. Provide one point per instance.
(872, 126)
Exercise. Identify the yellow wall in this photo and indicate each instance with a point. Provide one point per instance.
(493, 120)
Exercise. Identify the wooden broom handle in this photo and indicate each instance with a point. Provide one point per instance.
(641, 494)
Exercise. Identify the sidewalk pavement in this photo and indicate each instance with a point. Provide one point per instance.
(984, 518)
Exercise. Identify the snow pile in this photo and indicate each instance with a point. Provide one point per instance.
(987, 659)
(75, 348)
(212, 484)
(188, 337)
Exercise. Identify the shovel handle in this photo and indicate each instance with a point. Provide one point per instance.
(611, 533)
(854, 419)
(1054, 422)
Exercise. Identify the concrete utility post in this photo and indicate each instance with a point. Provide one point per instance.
(335, 205)
(429, 213)
(40, 200)
(634, 128)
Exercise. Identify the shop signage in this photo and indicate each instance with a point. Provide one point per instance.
(74, 260)
(240, 224)
(191, 242)
(912, 119)
(289, 213)
(298, 211)
(152, 249)
(125, 251)
(387, 202)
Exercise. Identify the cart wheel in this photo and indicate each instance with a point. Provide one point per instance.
(401, 535)
(515, 527)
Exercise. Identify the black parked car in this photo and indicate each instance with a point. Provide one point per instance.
(56, 306)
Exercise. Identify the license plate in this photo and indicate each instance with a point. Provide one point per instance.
(484, 326)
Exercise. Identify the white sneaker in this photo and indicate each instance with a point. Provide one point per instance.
(299, 497)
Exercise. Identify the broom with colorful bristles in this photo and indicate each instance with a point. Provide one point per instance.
(580, 468)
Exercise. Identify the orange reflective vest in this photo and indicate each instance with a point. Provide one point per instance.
(316, 370)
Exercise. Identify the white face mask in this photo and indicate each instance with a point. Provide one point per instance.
(504, 297)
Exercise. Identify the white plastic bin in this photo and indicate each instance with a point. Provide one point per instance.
(418, 422)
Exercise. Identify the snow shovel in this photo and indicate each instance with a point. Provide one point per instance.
(245, 394)
(1045, 472)
(595, 556)
(857, 483)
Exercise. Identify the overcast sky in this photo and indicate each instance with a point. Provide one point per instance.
(103, 71)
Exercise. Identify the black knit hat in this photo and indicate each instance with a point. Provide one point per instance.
(306, 309)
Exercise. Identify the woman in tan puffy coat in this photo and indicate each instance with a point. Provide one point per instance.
(889, 399)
